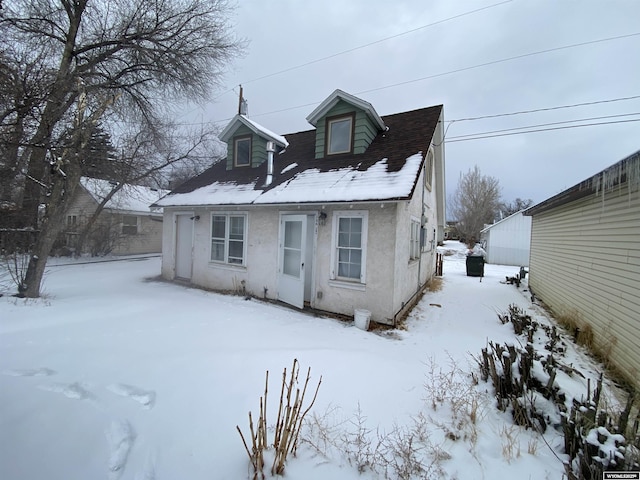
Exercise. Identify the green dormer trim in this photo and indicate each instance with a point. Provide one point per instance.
(331, 115)
(236, 134)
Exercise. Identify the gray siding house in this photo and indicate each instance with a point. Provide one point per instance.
(125, 226)
(585, 259)
(343, 217)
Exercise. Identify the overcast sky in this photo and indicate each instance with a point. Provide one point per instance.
(435, 57)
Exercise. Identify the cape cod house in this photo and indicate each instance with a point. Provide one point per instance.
(585, 260)
(344, 216)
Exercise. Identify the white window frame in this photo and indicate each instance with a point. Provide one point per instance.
(227, 260)
(330, 123)
(428, 168)
(129, 225)
(72, 222)
(364, 215)
(414, 239)
(236, 141)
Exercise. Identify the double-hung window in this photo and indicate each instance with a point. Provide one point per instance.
(129, 225)
(339, 134)
(349, 246)
(414, 241)
(228, 238)
(242, 151)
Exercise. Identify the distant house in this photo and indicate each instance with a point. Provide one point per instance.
(126, 225)
(585, 259)
(344, 216)
(507, 242)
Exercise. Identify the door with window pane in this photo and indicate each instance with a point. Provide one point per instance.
(293, 231)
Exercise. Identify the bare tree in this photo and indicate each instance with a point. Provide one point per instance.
(509, 208)
(475, 203)
(120, 63)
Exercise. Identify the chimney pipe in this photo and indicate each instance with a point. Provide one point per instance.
(271, 148)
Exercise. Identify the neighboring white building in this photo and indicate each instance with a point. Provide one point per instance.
(585, 259)
(342, 217)
(507, 242)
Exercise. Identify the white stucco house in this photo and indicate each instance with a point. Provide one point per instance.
(585, 259)
(344, 216)
(507, 241)
(126, 224)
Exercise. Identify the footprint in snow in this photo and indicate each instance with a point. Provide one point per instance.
(74, 390)
(30, 372)
(121, 437)
(146, 398)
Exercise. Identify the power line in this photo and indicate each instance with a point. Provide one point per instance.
(375, 42)
(542, 130)
(494, 62)
(619, 99)
(544, 125)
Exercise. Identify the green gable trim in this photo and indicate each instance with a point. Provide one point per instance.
(258, 147)
(364, 129)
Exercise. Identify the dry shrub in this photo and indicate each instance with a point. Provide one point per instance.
(288, 424)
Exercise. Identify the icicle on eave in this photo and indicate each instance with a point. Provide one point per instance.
(605, 182)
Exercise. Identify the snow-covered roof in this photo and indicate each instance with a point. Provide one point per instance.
(254, 127)
(130, 198)
(388, 170)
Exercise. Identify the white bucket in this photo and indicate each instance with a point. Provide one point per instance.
(361, 318)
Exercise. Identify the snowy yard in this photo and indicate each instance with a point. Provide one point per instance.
(113, 376)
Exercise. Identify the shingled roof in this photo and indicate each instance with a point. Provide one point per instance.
(387, 170)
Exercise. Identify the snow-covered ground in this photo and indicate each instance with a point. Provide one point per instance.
(112, 375)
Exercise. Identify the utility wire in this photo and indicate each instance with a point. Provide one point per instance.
(322, 59)
(619, 99)
(544, 125)
(541, 130)
(494, 62)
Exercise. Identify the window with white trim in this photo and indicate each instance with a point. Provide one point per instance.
(228, 238)
(129, 225)
(349, 246)
(242, 151)
(414, 241)
(428, 168)
(339, 134)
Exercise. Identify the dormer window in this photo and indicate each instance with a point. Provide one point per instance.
(340, 134)
(242, 151)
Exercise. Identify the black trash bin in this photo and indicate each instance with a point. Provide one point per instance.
(475, 266)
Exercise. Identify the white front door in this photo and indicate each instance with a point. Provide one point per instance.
(293, 240)
(184, 246)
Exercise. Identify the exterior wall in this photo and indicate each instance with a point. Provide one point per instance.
(147, 240)
(412, 274)
(585, 260)
(508, 241)
(364, 130)
(377, 295)
(261, 269)
(106, 235)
